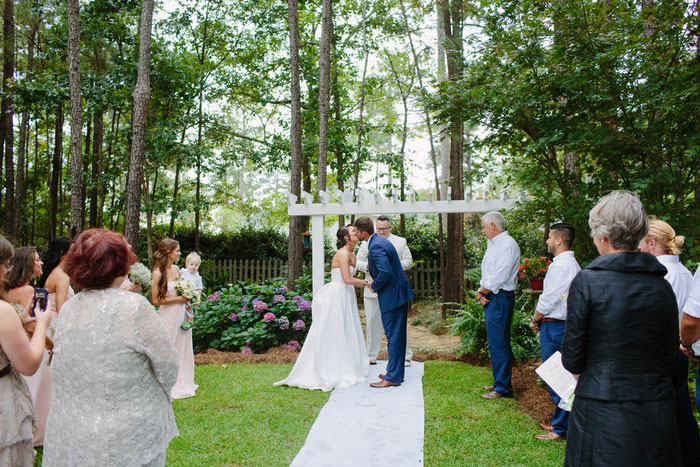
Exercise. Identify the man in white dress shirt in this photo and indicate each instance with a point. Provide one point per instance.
(499, 276)
(550, 313)
(373, 318)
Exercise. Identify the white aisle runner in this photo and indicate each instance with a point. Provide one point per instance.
(362, 426)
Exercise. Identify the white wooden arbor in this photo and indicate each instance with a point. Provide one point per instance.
(373, 203)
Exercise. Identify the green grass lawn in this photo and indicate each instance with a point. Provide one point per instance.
(463, 429)
(239, 419)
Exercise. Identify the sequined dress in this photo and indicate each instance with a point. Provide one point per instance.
(16, 419)
(112, 370)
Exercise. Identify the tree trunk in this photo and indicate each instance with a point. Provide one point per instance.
(23, 138)
(7, 130)
(149, 216)
(295, 247)
(176, 186)
(324, 91)
(56, 168)
(142, 96)
(103, 192)
(76, 120)
(454, 269)
(360, 124)
(96, 175)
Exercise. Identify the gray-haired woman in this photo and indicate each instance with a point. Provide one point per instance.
(621, 339)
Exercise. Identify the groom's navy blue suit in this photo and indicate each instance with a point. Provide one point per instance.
(394, 293)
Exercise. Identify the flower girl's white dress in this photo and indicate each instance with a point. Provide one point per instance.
(334, 353)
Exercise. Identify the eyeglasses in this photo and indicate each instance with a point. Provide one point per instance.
(383, 229)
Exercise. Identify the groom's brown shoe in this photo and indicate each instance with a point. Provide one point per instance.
(384, 384)
(382, 375)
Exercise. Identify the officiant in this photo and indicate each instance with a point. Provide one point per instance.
(550, 313)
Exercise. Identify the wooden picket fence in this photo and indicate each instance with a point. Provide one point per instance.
(424, 277)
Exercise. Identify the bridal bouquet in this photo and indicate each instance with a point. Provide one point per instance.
(140, 275)
(188, 290)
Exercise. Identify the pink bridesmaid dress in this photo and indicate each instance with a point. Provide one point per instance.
(40, 382)
(171, 316)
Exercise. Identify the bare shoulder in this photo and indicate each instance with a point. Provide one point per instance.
(20, 294)
(156, 274)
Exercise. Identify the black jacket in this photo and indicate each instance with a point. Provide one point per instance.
(622, 329)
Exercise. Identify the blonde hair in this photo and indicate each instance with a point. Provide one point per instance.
(666, 236)
(193, 255)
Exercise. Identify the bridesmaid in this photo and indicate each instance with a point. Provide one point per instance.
(57, 282)
(165, 275)
(18, 355)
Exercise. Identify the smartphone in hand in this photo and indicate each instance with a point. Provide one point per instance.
(41, 296)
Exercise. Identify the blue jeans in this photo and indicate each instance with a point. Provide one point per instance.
(499, 317)
(551, 334)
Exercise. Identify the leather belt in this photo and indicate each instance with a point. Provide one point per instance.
(5, 371)
(552, 320)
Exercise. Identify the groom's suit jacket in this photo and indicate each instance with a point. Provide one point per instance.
(389, 280)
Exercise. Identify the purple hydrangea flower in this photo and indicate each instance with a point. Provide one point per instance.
(233, 317)
(269, 317)
(304, 305)
(299, 325)
(218, 293)
(283, 323)
(246, 350)
(278, 299)
(291, 345)
(297, 298)
(281, 290)
(259, 306)
(245, 308)
(212, 297)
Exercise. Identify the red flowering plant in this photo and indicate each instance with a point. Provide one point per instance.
(534, 268)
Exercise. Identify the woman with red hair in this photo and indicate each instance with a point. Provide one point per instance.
(171, 311)
(113, 365)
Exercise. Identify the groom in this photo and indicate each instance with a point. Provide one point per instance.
(394, 293)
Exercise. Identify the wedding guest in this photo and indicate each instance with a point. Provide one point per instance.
(113, 366)
(57, 282)
(621, 340)
(24, 267)
(499, 277)
(190, 273)
(18, 355)
(171, 308)
(662, 242)
(550, 313)
(690, 327)
(373, 318)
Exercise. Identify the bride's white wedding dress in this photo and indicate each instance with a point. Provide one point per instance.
(334, 353)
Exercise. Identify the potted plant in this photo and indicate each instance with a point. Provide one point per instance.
(534, 270)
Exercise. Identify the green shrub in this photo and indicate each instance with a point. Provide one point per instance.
(469, 323)
(252, 318)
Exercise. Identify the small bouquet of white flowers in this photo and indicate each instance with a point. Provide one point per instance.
(188, 290)
(141, 275)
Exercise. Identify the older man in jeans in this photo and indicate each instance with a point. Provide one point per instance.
(499, 270)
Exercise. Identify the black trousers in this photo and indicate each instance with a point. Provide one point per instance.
(685, 421)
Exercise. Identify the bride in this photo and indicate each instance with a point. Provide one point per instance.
(334, 353)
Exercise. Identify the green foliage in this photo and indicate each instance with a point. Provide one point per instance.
(469, 323)
(246, 243)
(252, 317)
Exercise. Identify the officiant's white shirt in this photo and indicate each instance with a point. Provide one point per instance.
(561, 272)
(499, 267)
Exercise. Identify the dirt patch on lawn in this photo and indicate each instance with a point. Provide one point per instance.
(533, 399)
